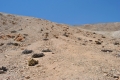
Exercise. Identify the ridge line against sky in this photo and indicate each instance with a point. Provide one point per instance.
(73, 12)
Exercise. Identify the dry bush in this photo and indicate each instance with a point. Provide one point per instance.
(38, 55)
(32, 62)
(27, 51)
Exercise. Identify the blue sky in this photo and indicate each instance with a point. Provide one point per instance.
(73, 12)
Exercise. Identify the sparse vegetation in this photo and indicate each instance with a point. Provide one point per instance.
(38, 55)
(15, 44)
(64, 47)
(116, 43)
(103, 36)
(32, 62)
(90, 40)
(79, 38)
(25, 34)
(13, 31)
(66, 34)
(106, 50)
(1, 44)
(47, 50)
(98, 42)
(27, 51)
(3, 70)
(46, 37)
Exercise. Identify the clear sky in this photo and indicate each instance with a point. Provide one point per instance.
(73, 12)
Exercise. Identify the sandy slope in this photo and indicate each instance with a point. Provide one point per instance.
(75, 54)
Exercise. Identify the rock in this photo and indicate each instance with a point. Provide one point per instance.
(37, 55)
(19, 38)
(27, 51)
(3, 37)
(9, 36)
(32, 62)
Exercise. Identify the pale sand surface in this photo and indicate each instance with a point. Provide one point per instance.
(75, 54)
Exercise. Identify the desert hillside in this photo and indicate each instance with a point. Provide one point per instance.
(102, 27)
(37, 49)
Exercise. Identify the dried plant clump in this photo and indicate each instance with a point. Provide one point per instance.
(98, 42)
(32, 62)
(38, 55)
(25, 34)
(55, 36)
(15, 44)
(79, 39)
(1, 44)
(116, 43)
(66, 34)
(27, 51)
(3, 70)
(13, 31)
(46, 36)
(90, 40)
(47, 50)
(105, 50)
(103, 36)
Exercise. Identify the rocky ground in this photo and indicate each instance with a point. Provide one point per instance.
(37, 49)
